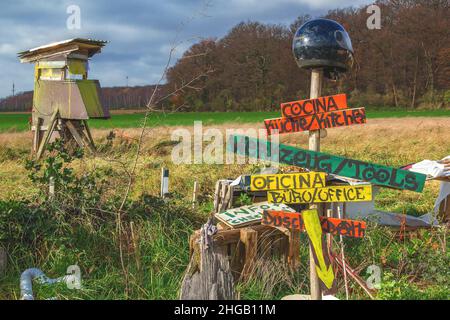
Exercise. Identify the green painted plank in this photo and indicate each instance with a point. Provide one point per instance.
(319, 161)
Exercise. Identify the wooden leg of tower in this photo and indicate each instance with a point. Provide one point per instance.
(88, 135)
(76, 135)
(36, 135)
(47, 135)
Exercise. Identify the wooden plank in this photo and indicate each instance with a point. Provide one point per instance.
(314, 106)
(356, 193)
(319, 161)
(334, 226)
(249, 238)
(316, 121)
(264, 182)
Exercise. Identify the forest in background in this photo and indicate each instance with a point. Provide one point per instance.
(405, 64)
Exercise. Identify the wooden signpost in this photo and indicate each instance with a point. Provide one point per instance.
(316, 121)
(313, 115)
(319, 161)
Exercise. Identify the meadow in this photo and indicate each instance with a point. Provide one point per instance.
(140, 250)
(19, 121)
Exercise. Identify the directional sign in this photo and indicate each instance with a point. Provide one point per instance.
(289, 220)
(319, 161)
(314, 231)
(326, 194)
(314, 106)
(248, 214)
(316, 121)
(263, 182)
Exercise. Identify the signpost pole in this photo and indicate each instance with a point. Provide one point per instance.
(314, 144)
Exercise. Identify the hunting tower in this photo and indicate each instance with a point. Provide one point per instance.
(64, 99)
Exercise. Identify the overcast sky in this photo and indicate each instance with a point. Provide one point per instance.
(140, 31)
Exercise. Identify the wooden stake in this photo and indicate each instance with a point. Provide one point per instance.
(194, 195)
(164, 182)
(344, 265)
(249, 238)
(314, 145)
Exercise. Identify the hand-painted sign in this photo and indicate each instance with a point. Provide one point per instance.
(316, 121)
(314, 231)
(319, 161)
(313, 106)
(325, 194)
(249, 214)
(262, 182)
(293, 220)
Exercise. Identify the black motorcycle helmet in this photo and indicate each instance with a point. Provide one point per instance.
(323, 43)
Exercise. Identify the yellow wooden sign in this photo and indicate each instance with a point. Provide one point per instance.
(304, 180)
(314, 231)
(326, 194)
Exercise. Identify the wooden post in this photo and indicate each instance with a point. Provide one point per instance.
(194, 194)
(314, 145)
(249, 238)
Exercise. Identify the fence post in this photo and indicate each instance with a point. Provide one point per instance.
(164, 182)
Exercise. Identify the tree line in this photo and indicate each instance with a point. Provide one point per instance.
(113, 97)
(405, 64)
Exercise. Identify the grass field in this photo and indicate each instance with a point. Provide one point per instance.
(19, 122)
(82, 230)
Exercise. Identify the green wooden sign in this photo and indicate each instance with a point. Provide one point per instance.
(319, 161)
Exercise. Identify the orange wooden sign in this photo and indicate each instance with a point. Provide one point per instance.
(293, 220)
(316, 121)
(313, 106)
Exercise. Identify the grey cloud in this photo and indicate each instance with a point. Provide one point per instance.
(140, 31)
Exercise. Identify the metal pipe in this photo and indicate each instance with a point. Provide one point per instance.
(26, 281)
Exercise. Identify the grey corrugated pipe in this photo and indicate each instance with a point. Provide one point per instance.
(26, 281)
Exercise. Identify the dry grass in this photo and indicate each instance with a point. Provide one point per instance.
(392, 142)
